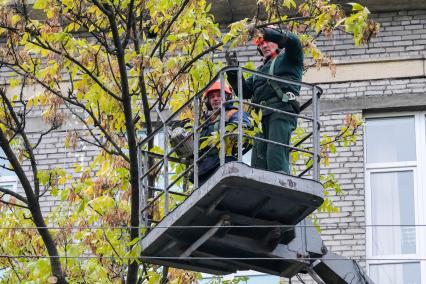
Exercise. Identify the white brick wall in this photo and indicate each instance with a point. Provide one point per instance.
(402, 33)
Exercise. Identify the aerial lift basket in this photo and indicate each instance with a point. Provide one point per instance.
(242, 218)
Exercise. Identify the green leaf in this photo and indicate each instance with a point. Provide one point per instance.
(15, 19)
(204, 144)
(102, 203)
(54, 191)
(356, 6)
(40, 4)
(134, 241)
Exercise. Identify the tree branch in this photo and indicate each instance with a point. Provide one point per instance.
(189, 63)
(6, 168)
(175, 17)
(100, 144)
(13, 204)
(75, 103)
(129, 24)
(14, 194)
(52, 128)
(133, 152)
(27, 143)
(76, 62)
(109, 242)
(102, 8)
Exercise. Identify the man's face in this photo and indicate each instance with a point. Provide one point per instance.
(268, 48)
(214, 98)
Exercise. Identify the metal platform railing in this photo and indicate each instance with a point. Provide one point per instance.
(158, 184)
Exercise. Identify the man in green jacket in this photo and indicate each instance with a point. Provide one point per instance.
(282, 55)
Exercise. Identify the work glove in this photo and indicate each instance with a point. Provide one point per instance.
(231, 58)
(253, 31)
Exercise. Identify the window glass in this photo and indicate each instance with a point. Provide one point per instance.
(247, 157)
(159, 182)
(8, 183)
(5, 163)
(7, 178)
(252, 279)
(403, 273)
(392, 196)
(261, 279)
(390, 140)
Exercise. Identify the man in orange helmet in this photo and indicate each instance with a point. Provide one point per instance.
(212, 100)
(282, 54)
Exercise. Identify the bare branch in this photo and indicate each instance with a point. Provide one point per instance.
(27, 143)
(6, 168)
(13, 204)
(52, 128)
(112, 73)
(14, 194)
(13, 266)
(75, 103)
(111, 245)
(283, 21)
(98, 143)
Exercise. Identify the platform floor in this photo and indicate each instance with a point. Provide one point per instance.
(235, 195)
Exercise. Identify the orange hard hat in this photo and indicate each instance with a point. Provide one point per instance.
(258, 41)
(216, 87)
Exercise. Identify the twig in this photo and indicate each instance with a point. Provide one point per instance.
(27, 143)
(98, 142)
(14, 194)
(189, 63)
(113, 248)
(14, 204)
(54, 127)
(175, 17)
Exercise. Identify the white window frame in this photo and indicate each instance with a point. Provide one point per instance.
(8, 181)
(418, 167)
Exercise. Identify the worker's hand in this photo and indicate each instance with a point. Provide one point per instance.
(253, 31)
(231, 58)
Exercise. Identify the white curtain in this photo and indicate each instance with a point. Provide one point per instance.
(386, 210)
(392, 199)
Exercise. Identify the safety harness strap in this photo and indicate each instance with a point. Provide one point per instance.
(284, 97)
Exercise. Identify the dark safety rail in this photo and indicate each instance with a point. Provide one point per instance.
(163, 174)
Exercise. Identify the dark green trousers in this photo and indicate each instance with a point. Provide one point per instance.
(276, 127)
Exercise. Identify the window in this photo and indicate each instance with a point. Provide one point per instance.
(395, 161)
(253, 277)
(4, 163)
(7, 178)
(159, 142)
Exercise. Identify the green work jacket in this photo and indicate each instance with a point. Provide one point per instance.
(288, 65)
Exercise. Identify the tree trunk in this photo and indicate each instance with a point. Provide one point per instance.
(132, 272)
(34, 207)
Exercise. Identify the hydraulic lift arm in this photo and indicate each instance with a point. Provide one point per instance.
(324, 266)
